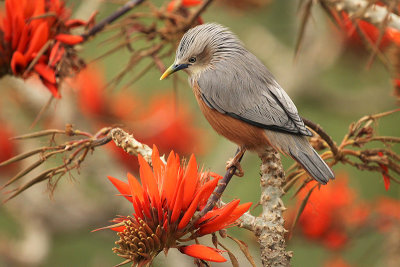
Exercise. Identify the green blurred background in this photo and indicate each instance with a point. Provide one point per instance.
(329, 82)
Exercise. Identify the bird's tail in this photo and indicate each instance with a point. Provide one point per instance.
(300, 150)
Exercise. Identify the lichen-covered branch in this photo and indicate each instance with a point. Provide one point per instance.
(269, 226)
(130, 145)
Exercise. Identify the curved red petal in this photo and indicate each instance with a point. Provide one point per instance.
(202, 252)
(18, 62)
(135, 188)
(206, 189)
(69, 39)
(122, 187)
(148, 181)
(39, 38)
(176, 212)
(220, 220)
(191, 181)
(52, 88)
(158, 165)
(45, 72)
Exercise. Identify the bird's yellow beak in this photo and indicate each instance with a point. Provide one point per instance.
(173, 68)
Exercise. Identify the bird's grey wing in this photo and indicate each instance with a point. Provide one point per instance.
(255, 97)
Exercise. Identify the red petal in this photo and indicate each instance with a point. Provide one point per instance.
(39, 38)
(52, 88)
(135, 188)
(24, 40)
(189, 3)
(122, 187)
(56, 54)
(18, 62)
(148, 181)
(69, 39)
(72, 23)
(158, 165)
(386, 181)
(221, 219)
(45, 72)
(119, 228)
(176, 212)
(202, 252)
(170, 179)
(190, 182)
(205, 190)
(386, 178)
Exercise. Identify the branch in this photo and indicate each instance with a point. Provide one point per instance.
(363, 9)
(113, 17)
(269, 227)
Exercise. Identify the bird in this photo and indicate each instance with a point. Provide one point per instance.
(242, 100)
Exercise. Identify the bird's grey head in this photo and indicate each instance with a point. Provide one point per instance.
(203, 46)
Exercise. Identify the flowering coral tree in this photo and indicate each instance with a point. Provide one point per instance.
(173, 205)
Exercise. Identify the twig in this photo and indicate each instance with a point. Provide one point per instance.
(116, 15)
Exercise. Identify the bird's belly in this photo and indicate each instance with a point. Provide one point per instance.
(237, 131)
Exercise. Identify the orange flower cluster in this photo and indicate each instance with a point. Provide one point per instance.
(181, 7)
(388, 40)
(325, 217)
(165, 204)
(35, 39)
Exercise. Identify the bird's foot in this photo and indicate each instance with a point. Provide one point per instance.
(235, 163)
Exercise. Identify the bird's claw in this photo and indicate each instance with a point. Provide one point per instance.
(234, 163)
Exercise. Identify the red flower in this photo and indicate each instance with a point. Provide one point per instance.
(165, 204)
(388, 213)
(326, 215)
(370, 32)
(33, 34)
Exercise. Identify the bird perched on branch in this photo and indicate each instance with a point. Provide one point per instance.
(241, 99)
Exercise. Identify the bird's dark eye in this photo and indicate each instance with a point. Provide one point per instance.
(192, 60)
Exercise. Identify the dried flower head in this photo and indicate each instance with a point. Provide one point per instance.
(165, 207)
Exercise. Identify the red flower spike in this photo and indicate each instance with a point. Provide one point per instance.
(69, 39)
(166, 220)
(26, 30)
(122, 187)
(202, 252)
